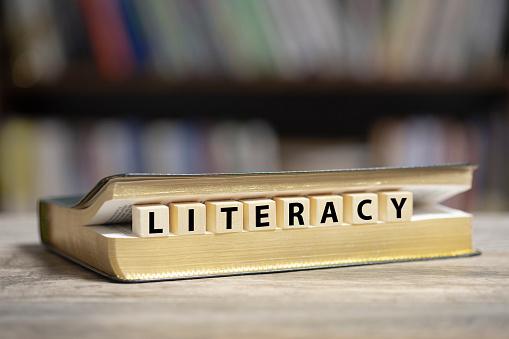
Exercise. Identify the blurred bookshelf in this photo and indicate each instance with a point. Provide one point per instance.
(91, 88)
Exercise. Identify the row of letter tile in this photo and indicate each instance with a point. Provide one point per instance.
(182, 218)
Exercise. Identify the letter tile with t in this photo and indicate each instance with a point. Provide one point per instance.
(224, 216)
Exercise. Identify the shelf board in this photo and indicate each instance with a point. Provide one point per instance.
(309, 107)
(84, 80)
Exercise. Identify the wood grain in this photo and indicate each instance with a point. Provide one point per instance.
(45, 296)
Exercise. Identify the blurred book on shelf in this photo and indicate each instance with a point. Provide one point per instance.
(51, 157)
(308, 154)
(364, 40)
(422, 139)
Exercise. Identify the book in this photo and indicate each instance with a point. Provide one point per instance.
(17, 175)
(96, 232)
(36, 45)
(109, 37)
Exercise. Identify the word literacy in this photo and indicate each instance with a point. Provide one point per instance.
(226, 216)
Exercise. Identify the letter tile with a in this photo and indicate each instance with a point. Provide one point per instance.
(326, 210)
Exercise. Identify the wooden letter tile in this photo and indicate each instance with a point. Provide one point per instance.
(326, 210)
(188, 218)
(224, 216)
(360, 208)
(292, 212)
(259, 214)
(395, 206)
(151, 220)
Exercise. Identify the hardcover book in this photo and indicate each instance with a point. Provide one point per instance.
(143, 227)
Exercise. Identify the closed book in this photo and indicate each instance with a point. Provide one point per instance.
(97, 231)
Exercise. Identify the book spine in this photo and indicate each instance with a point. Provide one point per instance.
(135, 31)
(43, 221)
(110, 41)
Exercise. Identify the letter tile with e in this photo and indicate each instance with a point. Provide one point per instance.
(259, 214)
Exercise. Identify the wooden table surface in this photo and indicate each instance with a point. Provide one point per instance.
(45, 296)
